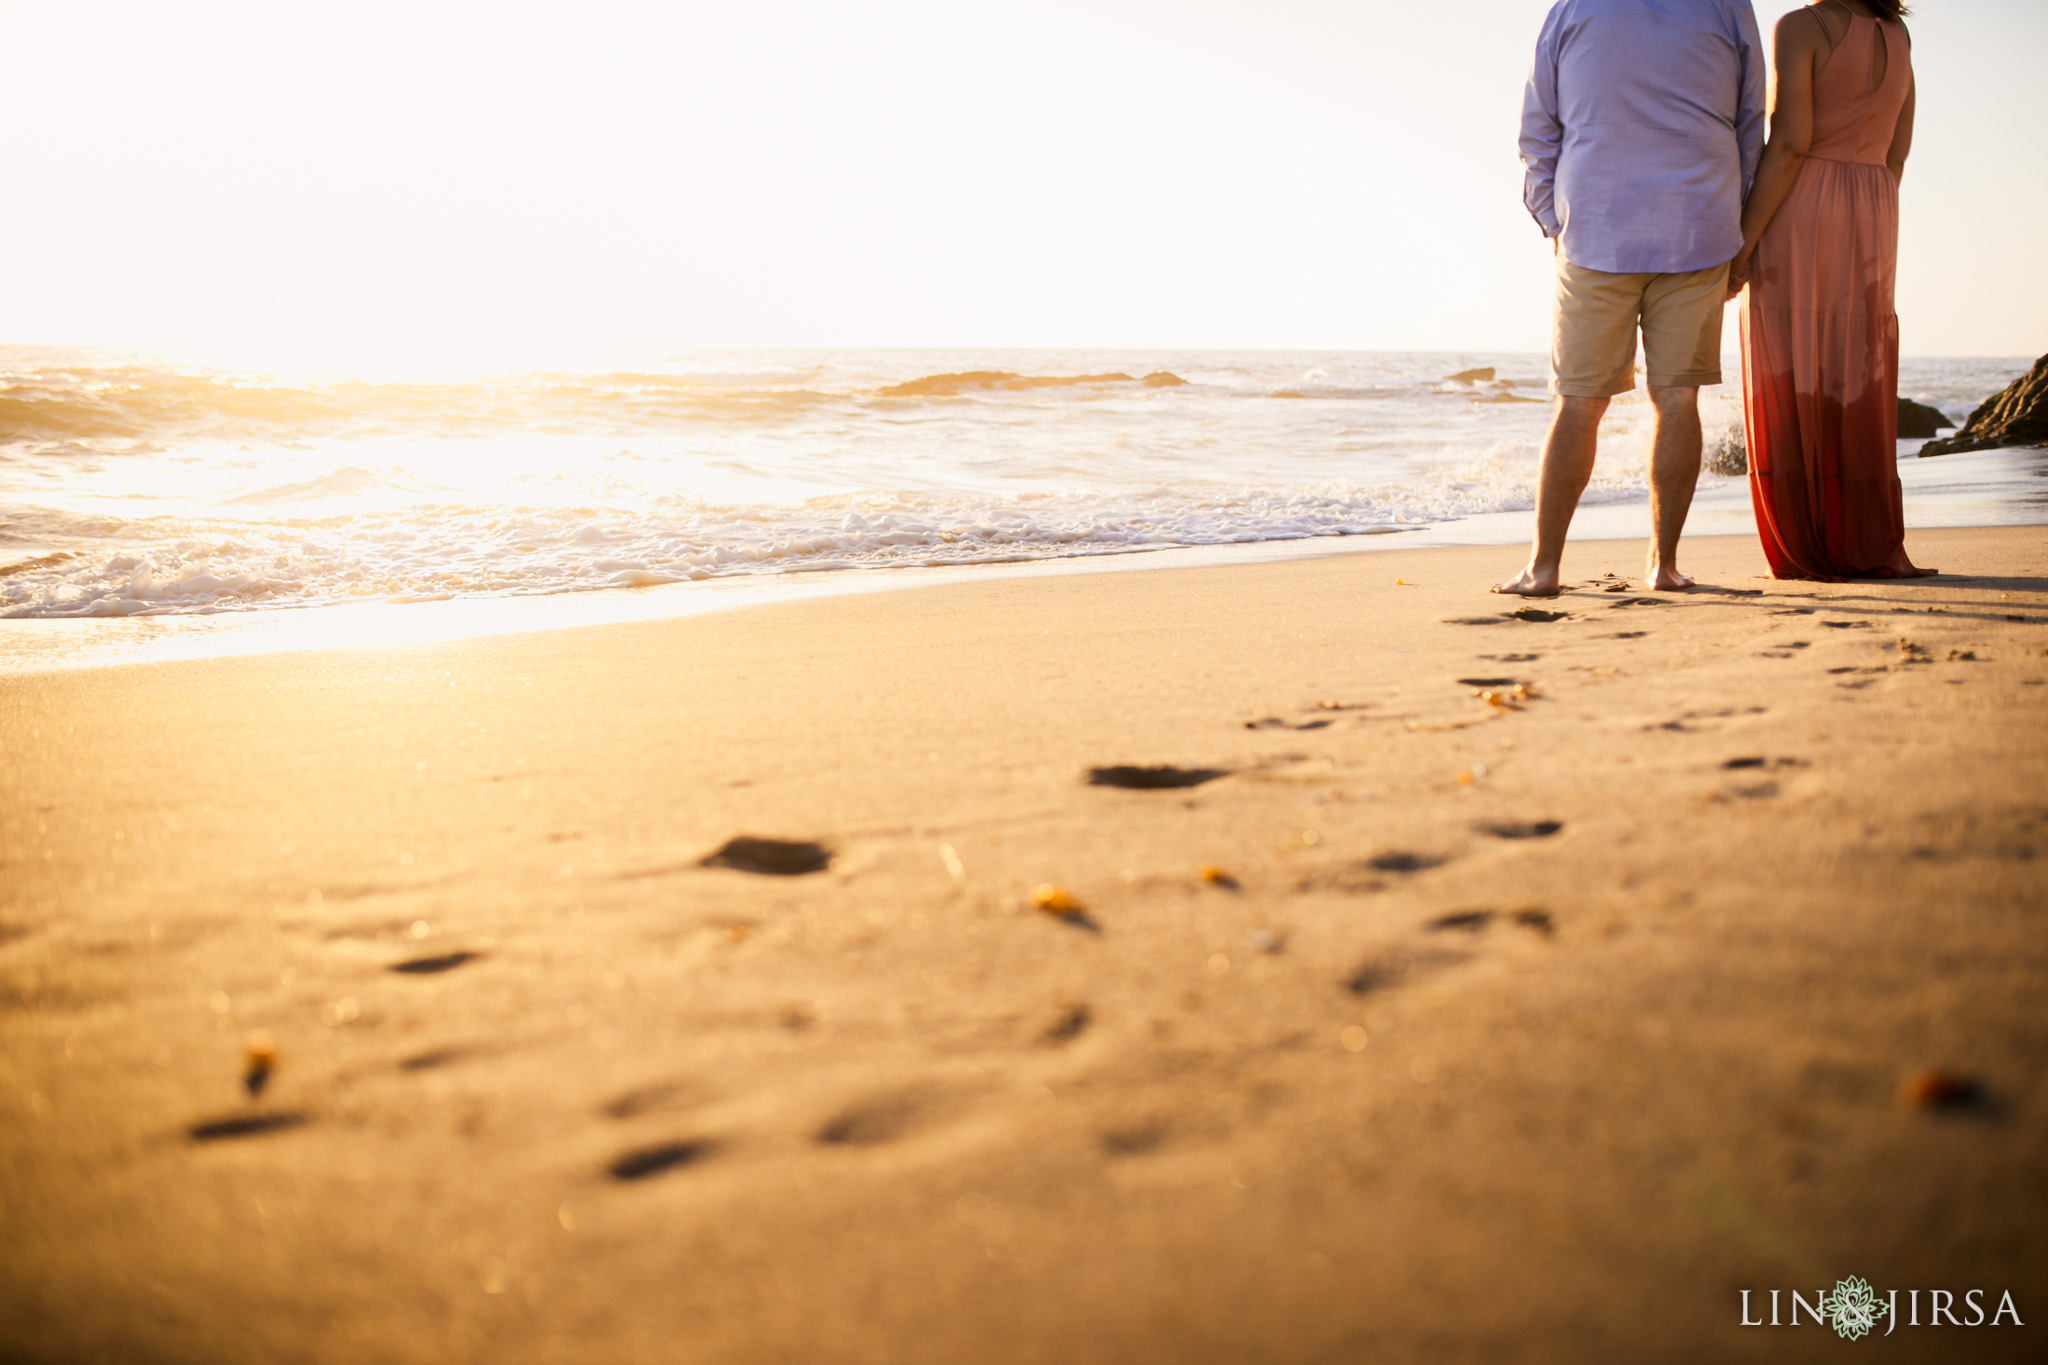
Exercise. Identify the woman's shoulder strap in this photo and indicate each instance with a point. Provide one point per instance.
(1827, 32)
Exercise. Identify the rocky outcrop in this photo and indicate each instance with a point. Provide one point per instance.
(1917, 421)
(2016, 417)
(1725, 452)
(951, 385)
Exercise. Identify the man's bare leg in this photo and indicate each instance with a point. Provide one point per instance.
(1674, 471)
(1567, 466)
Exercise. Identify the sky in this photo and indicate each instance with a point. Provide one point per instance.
(440, 180)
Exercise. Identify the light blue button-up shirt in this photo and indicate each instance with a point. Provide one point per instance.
(1641, 130)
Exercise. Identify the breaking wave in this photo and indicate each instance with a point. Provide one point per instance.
(133, 487)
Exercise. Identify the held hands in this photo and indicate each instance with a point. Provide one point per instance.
(1739, 270)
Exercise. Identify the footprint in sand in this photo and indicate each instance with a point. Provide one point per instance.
(1531, 829)
(1738, 764)
(1525, 614)
(869, 1125)
(1070, 1023)
(1405, 862)
(1135, 1140)
(1724, 713)
(769, 857)
(1487, 682)
(1511, 658)
(1399, 966)
(245, 1125)
(1359, 878)
(1153, 779)
(1275, 723)
(645, 1100)
(642, 1162)
(434, 966)
(1477, 921)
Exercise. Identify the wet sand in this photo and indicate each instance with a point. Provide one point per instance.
(1531, 1027)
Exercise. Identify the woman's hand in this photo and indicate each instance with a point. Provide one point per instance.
(1738, 270)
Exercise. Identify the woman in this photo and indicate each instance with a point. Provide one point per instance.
(1820, 341)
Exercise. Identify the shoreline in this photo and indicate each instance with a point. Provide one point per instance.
(1498, 1020)
(1974, 489)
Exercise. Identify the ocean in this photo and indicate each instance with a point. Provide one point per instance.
(135, 485)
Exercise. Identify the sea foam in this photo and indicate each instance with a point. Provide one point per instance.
(132, 487)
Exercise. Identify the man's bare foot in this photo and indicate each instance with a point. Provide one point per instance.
(1530, 582)
(1659, 579)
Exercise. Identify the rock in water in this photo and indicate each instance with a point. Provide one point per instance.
(1917, 421)
(2016, 417)
(1725, 452)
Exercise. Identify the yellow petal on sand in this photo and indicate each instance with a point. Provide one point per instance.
(1464, 779)
(259, 1059)
(1217, 876)
(1054, 900)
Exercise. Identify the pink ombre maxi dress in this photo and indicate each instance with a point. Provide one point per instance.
(1820, 340)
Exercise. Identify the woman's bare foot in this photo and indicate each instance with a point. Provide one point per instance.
(1530, 582)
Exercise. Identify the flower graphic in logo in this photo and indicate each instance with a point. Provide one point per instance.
(1853, 1308)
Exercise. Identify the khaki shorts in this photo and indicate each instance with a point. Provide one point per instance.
(1593, 339)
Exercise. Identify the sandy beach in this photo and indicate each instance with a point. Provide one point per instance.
(1551, 982)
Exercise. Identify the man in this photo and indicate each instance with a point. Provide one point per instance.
(1641, 131)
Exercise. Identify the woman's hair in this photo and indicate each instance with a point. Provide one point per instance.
(1889, 9)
